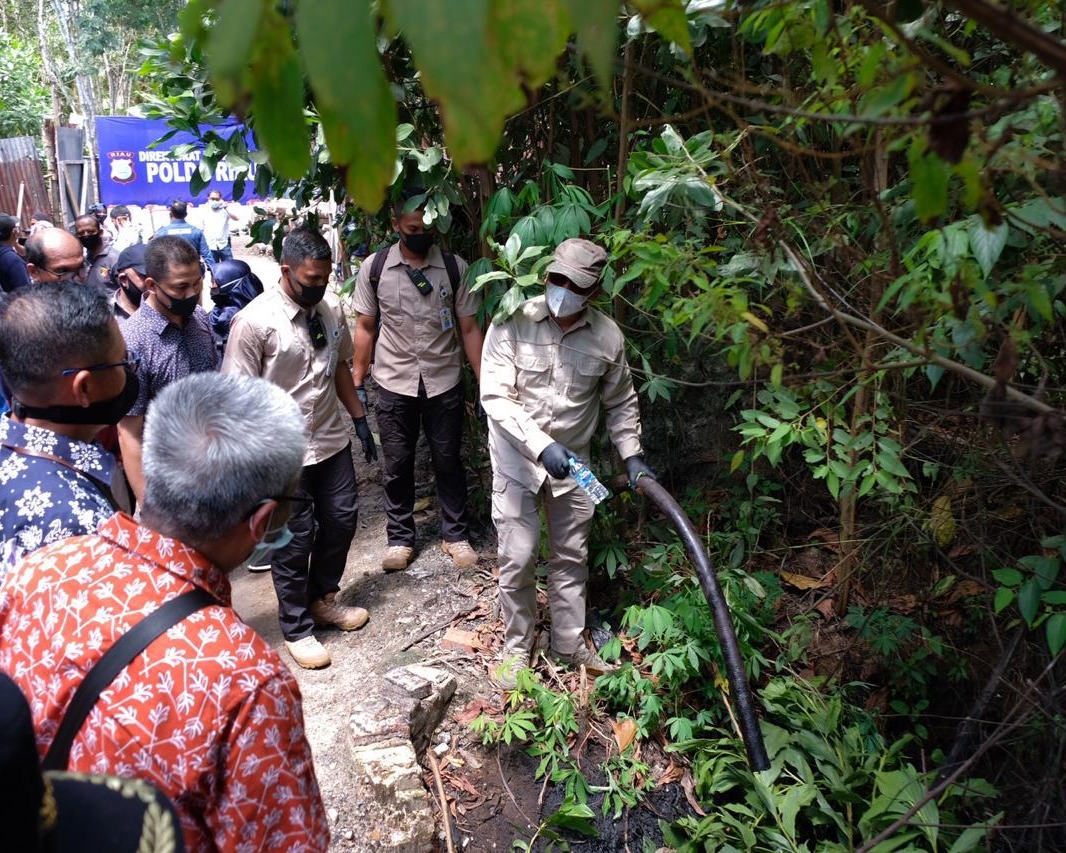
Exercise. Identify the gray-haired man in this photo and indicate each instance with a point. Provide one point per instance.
(207, 712)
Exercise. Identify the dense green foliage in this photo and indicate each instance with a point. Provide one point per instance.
(834, 234)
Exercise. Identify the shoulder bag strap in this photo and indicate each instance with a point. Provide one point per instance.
(116, 659)
(101, 486)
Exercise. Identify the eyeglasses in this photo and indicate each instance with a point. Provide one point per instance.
(78, 274)
(295, 499)
(131, 362)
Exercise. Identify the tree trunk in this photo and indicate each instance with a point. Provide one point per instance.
(86, 96)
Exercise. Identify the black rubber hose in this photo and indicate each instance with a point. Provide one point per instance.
(727, 638)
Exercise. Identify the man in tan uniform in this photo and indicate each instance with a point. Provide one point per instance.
(296, 336)
(545, 373)
(425, 316)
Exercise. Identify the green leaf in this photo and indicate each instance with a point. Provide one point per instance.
(353, 97)
(534, 32)
(596, 25)
(278, 100)
(929, 184)
(1029, 601)
(668, 18)
(1056, 633)
(1008, 577)
(577, 817)
(470, 67)
(229, 44)
(987, 243)
(1004, 597)
(884, 98)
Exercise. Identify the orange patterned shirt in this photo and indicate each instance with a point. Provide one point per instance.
(208, 712)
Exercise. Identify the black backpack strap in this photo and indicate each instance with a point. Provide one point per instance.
(376, 266)
(453, 271)
(116, 659)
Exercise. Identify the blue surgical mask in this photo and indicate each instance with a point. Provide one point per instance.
(272, 541)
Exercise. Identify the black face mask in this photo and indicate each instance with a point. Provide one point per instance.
(419, 244)
(133, 293)
(181, 307)
(91, 243)
(218, 297)
(101, 412)
(307, 295)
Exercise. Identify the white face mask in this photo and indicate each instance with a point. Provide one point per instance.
(563, 302)
(216, 204)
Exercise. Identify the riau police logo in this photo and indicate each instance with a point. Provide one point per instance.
(122, 171)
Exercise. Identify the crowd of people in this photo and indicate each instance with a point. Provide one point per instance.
(152, 448)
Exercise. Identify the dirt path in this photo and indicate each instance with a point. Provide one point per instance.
(402, 606)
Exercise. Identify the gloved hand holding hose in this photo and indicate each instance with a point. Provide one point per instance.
(636, 468)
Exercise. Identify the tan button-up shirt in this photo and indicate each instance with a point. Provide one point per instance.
(418, 336)
(270, 338)
(540, 384)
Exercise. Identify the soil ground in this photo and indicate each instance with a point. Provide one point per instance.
(494, 796)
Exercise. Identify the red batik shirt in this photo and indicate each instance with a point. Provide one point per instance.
(208, 712)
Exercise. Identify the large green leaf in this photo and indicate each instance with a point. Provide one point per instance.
(278, 100)
(596, 25)
(668, 18)
(533, 33)
(353, 97)
(987, 243)
(228, 47)
(462, 67)
(929, 179)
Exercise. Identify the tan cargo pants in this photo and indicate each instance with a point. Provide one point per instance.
(515, 511)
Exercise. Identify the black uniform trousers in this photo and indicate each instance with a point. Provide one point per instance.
(311, 565)
(441, 417)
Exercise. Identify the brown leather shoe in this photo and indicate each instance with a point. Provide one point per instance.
(326, 611)
(397, 558)
(308, 652)
(461, 553)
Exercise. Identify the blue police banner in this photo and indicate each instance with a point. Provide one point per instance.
(132, 171)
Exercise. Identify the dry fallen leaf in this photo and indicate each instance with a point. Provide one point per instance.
(688, 786)
(826, 608)
(474, 710)
(624, 732)
(804, 582)
(671, 774)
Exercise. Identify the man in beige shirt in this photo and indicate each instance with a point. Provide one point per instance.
(417, 361)
(297, 337)
(545, 373)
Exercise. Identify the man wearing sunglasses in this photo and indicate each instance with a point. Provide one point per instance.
(65, 362)
(296, 336)
(55, 254)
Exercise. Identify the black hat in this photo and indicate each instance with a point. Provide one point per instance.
(131, 258)
(60, 811)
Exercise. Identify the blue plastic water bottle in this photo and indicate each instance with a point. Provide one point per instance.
(584, 477)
